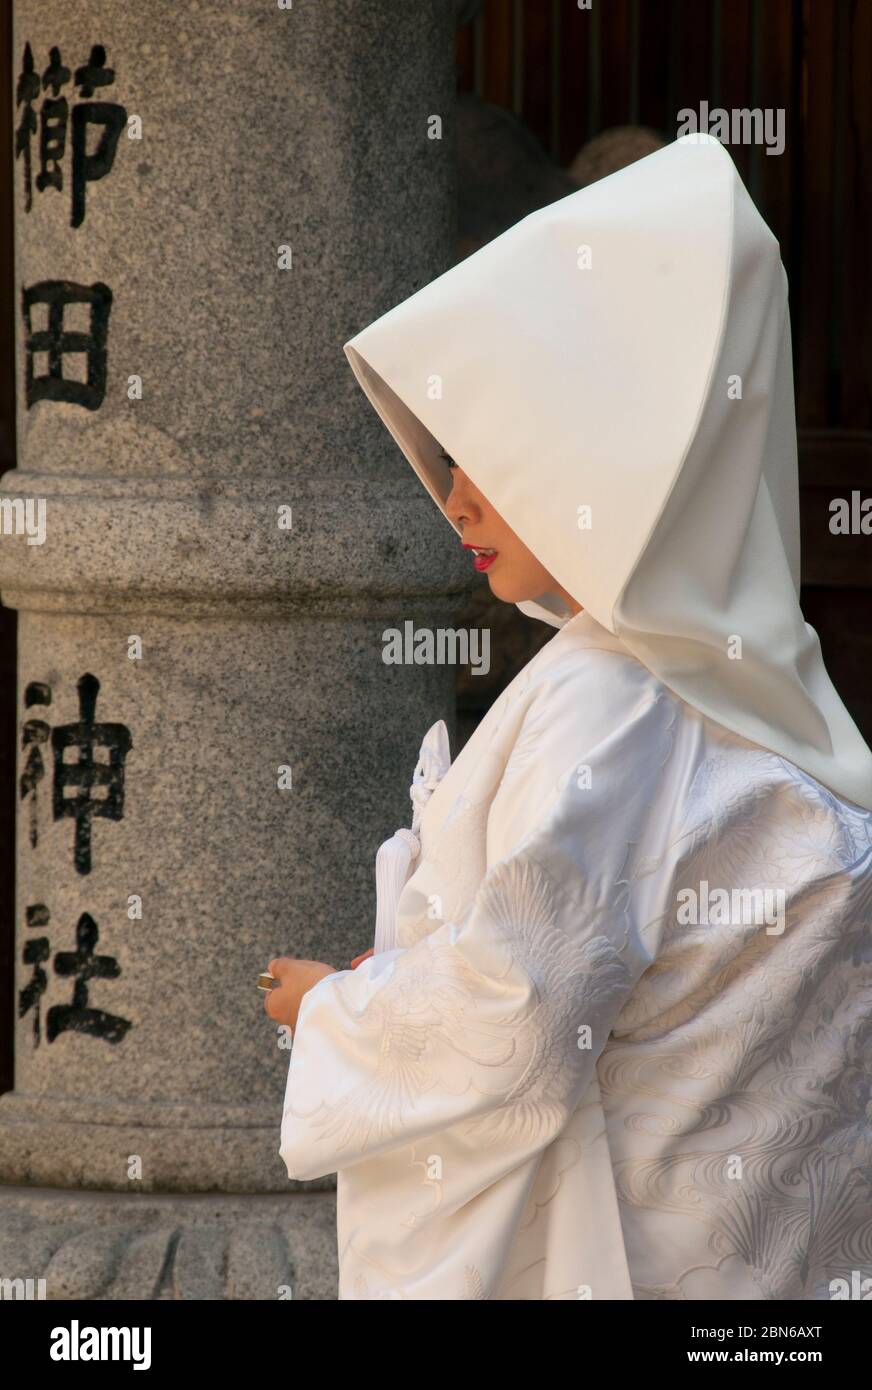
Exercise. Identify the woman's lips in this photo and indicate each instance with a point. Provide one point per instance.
(483, 557)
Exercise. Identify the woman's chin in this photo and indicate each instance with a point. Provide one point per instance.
(502, 588)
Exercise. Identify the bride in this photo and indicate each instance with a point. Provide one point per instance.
(551, 1078)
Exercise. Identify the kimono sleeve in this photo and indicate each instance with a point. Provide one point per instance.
(492, 1026)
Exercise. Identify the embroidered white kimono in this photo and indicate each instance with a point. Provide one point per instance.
(616, 1038)
(553, 1088)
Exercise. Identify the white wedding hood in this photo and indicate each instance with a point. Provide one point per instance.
(627, 350)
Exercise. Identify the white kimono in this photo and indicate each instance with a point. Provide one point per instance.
(622, 1045)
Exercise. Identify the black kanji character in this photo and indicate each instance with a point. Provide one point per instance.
(86, 774)
(56, 341)
(84, 966)
(55, 116)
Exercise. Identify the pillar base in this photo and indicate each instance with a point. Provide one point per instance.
(182, 1148)
(106, 1246)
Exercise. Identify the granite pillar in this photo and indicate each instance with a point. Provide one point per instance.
(210, 199)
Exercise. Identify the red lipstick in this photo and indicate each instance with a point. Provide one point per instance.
(484, 557)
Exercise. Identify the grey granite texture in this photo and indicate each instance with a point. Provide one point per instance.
(146, 1069)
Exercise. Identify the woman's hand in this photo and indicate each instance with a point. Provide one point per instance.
(295, 978)
(359, 959)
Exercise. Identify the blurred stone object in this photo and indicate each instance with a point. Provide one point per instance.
(502, 172)
(611, 150)
(466, 11)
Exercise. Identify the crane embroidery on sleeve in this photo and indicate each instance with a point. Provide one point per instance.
(484, 1028)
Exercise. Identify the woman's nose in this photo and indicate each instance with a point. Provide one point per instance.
(459, 506)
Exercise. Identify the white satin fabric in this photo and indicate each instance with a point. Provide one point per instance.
(550, 1087)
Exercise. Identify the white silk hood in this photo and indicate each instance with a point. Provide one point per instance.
(627, 350)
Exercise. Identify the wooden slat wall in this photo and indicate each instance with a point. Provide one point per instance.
(735, 46)
(654, 49)
(779, 83)
(855, 339)
(576, 95)
(615, 64)
(817, 272)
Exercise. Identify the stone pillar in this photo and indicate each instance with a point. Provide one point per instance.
(224, 194)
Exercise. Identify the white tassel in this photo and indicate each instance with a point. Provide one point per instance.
(395, 857)
(391, 871)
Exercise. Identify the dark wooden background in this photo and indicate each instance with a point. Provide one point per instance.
(570, 74)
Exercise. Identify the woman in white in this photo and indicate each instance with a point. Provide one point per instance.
(615, 1038)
